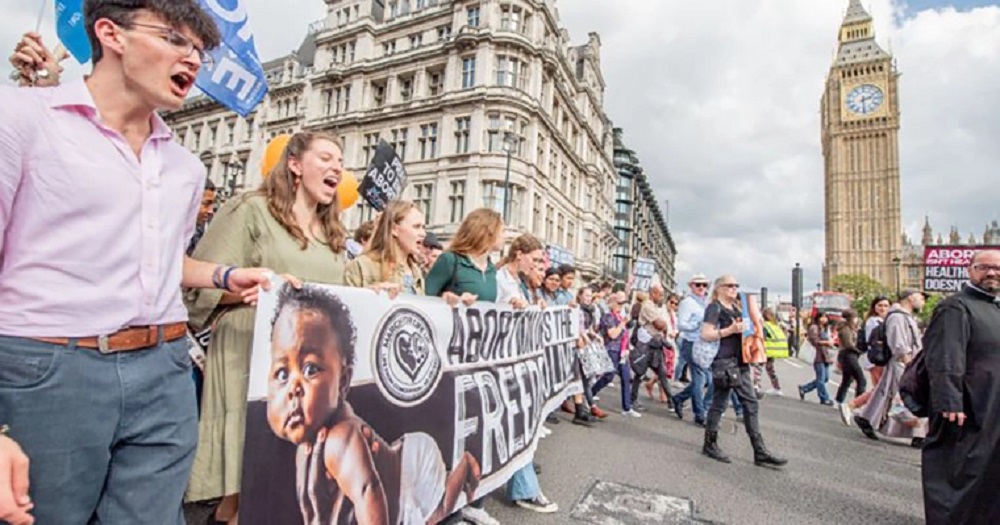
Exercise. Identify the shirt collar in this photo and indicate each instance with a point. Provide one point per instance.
(75, 94)
(986, 295)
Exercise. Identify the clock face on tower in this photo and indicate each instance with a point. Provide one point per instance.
(864, 99)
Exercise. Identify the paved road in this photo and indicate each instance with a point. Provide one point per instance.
(835, 475)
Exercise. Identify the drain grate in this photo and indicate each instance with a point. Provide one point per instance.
(608, 503)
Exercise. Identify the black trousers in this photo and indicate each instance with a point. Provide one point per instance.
(850, 370)
(744, 391)
(654, 361)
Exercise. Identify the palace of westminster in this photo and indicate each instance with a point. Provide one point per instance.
(468, 93)
(860, 125)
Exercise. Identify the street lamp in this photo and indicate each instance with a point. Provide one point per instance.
(508, 146)
(896, 261)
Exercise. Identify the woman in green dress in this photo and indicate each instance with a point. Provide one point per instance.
(292, 225)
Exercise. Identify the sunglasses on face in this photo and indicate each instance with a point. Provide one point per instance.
(729, 285)
(700, 285)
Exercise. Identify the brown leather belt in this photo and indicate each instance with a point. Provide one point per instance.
(126, 339)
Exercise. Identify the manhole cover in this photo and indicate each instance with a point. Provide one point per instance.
(609, 503)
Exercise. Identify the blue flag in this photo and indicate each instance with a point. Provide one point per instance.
(235, 79)
(71, 30)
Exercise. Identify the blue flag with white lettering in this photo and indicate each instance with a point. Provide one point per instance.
(71, 30)
(235, 79)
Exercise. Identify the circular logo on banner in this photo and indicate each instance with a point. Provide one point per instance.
(407, 363)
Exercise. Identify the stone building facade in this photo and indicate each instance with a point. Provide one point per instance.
(456, 87)
(860, 127)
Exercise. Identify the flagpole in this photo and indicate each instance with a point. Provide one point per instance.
(41, 15)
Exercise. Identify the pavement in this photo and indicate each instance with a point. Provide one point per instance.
(625, 471)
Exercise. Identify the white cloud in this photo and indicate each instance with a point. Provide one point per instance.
(720, 100)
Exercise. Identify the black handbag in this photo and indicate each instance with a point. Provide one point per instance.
(726, 373)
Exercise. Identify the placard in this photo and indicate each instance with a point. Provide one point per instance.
(946, 268)
(385, 178)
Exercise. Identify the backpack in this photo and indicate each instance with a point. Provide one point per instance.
(862, 340)
(879, 353)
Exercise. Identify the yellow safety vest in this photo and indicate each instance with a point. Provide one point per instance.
(775, 341)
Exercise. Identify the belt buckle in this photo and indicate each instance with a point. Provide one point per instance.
(103, 345)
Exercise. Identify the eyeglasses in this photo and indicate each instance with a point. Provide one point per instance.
(181, 43)
(729, 285)
(700, 285)
(987, 268)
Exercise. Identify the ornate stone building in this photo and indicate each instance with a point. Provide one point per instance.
(640, 226)
(860, 126)
(457, 87)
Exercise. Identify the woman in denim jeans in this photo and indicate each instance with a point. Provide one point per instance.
(820, 338)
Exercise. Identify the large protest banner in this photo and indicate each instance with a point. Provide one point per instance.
(946, 268)
(363, 409)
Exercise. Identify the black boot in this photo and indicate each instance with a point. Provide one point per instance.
(711, 448)
(581, 417)
(761, 456)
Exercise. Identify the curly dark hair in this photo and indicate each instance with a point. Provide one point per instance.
(316, 298)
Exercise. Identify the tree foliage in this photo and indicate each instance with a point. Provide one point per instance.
(932, 301)
(863, 289)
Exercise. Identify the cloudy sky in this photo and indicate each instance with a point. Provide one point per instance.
(720, 100)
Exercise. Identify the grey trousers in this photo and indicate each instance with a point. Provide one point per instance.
(110, 438)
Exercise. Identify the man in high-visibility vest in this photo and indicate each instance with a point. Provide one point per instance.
(776, 346)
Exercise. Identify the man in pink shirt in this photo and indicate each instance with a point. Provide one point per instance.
(97, 204)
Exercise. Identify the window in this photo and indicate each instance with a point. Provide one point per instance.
(249, 128)
(343, 99)
(399, 142)
(197, 138)
(560, 230)
(536, 214)
(428, 141)
(179, 136)
(416, 40)
(468, 72)
(510, 19)
(368, 150)
(420, 4)
(457, 199)
(588, 250)
(423, 197)
(230, 126)
(350, 49)
(444, 33)
(212, 136)
(462, 128)
(378, 93)
(435, 82)
(550, 215)
(509, 71)
(493, 196)
(494, 140)
(571, 236)
(472, 16)
(406, 89)
(327, 101)
(394, 9)
(389, 48)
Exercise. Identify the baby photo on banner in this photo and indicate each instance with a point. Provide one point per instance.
(364, 409)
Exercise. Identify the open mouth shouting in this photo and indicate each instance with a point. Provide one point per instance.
(181, 83)
(331, 182)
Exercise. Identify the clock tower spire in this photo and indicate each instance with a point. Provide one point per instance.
(860, 128)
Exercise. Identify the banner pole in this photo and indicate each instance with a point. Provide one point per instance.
(41, 15)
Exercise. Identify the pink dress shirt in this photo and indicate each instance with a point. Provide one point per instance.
(92, 238)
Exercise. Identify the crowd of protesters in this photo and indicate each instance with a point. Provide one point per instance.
(101, 347)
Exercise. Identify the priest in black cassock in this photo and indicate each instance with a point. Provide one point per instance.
(961, 456)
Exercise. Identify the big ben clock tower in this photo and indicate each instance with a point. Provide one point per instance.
(860, 121)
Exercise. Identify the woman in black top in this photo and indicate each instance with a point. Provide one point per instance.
(724, 323)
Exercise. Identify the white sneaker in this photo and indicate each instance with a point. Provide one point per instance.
(540, 504)
(544, 432)
(597, 399)
(773, 392)
(845, 414)
(631, 413)
(477, 516)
